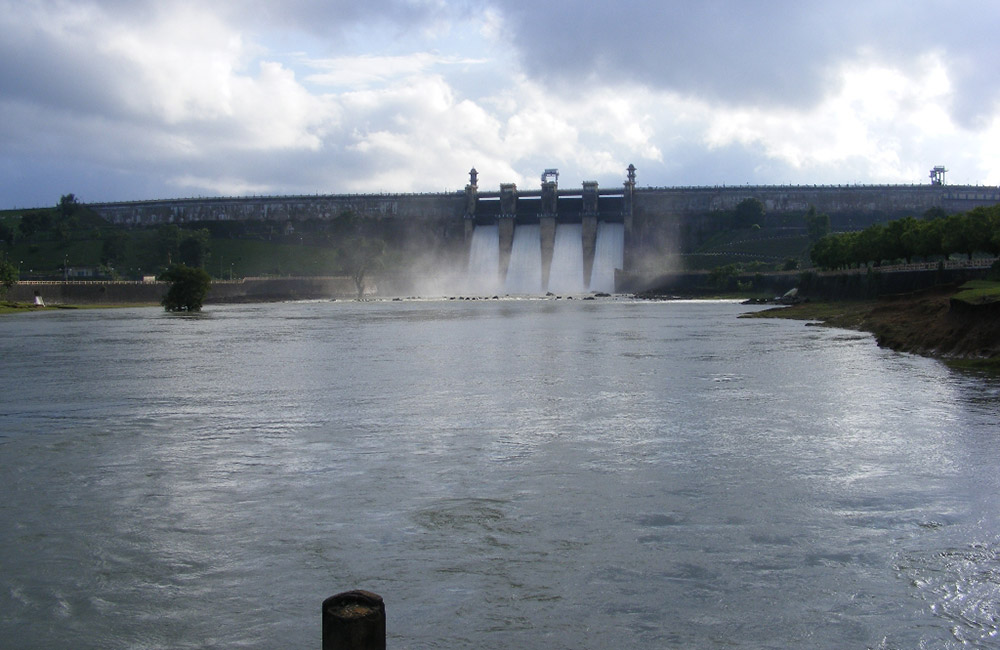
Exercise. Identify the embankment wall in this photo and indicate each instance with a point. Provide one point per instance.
(875, 283)
(126, 293)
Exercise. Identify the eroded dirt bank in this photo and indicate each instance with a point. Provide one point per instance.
(927, 322)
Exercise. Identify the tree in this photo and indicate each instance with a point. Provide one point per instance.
(193, 248)
(830, 252)
(979, 224)
(748, 212)
(937, 212)
(899, 240)
(188, 288)
(8, 277)
(870, 245)
(358, 256)
(928, 237)
(849, 248)
(6, 234)
(957, 236)
(68, 205)
(725, 278)
(168, 241)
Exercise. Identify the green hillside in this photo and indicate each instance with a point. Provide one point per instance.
(70, 241)
(769, 248)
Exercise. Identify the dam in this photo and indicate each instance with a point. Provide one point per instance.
(516, 240)
(546, 240)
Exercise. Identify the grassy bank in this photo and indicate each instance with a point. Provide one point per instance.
(927, 323)
(9, 307)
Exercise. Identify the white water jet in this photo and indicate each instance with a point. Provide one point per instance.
(609, 255)
(566, 273)
(524, 273)
(484, 261)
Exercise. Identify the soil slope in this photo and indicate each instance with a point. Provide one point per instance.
(928, 323)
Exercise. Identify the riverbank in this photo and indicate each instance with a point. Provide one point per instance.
(11, 307)
(150, 293)
(953, 323)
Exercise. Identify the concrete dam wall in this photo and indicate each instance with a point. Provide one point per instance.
(650, 202)
(282, 208)
(220, 291)
(887, 200)
(652, 219)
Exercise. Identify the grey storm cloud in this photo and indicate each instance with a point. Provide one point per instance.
(782, 52)
(769, 53)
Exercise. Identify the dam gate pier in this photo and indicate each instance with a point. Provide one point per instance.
(572, 230)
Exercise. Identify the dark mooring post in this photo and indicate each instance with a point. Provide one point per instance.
(354, 620)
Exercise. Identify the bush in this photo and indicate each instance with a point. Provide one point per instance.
(8, 277)
(188, 288)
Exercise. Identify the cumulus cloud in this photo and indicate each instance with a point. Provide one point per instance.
(115, 99)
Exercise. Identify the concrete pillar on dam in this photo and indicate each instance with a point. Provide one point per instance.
(470, 227)
(627, 199)
(628, 196)
(508, 213)
(547, 221)
(471, 199)
(589, 221)
(547, 233)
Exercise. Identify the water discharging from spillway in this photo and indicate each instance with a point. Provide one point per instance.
(609, 254)
(484, 260)
(524, 274)
(524, 270)
(566, 273)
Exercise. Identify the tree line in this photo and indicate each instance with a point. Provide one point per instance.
(936, 236)
(72, 233)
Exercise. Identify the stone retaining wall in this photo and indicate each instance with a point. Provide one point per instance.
(126, 293)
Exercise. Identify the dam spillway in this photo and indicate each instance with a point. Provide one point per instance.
(526, 272)
(484, 261)
(609, 256)
(566, 272)
(548, 240)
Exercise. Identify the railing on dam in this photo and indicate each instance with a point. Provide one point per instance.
(283, 198)
(946, 191)
(839, 186)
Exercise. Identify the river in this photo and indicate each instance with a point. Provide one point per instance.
(506, 474)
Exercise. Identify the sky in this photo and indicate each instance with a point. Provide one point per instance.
(118, 100)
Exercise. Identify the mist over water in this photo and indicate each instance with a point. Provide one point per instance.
(506, 474)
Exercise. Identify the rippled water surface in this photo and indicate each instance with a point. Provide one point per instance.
(506, 474)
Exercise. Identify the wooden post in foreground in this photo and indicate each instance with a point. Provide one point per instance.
(354, 620)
